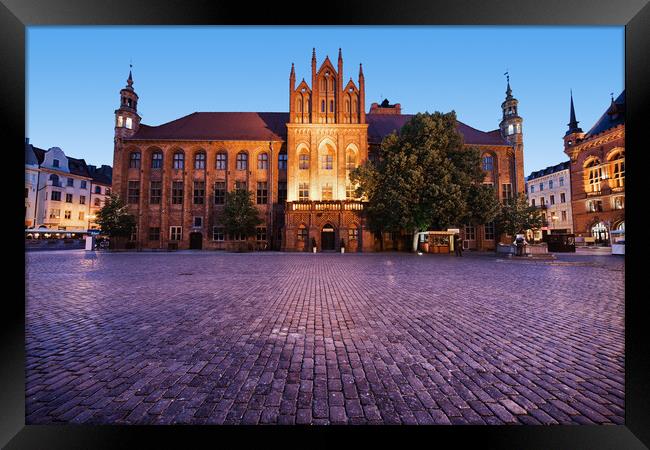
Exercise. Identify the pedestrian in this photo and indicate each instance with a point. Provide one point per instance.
(458, 245)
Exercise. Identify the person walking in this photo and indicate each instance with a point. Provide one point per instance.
(458, 245)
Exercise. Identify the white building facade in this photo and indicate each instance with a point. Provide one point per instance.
(61, 193)
(550, 190)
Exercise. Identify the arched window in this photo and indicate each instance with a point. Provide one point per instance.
(222, 161)
(179, 160)
(282, 161)
(618, 169)
(594, 174)
(134, 160)
(242, 161)
(488, 163)
(156, 160)
(199, 161)
(263, 161)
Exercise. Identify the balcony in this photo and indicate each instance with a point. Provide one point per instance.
(325, 205)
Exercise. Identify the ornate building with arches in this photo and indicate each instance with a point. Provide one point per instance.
(297, 164)
(598, 172)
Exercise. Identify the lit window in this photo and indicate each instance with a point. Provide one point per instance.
(303, 163)
(303, 191)
(327, 191)
(327, 162)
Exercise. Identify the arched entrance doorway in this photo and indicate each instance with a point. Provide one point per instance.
(327, 238)
(600, 233)
(196, 241)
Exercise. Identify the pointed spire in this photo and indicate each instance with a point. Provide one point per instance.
(573, 123)
(129, 81)
(508, 90)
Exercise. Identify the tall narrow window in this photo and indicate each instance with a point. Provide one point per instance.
(199, 161)
(133, 192)
(179, 160)
(262, 192)
(282, 191)
(155, 192)
(134, 160)
(222, 161)
(177, 192)
(219, 192)
(199, 192)
(506, 192)
(282, 161)
(263, 161)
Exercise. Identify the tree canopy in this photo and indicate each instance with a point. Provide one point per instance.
(114, 218)
(425, 178)
(239, 214)
(517, 216)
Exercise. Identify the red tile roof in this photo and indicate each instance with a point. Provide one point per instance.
(265, 126)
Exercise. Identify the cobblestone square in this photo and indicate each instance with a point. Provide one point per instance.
(288, 338)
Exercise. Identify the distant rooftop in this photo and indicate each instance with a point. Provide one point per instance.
(549, 170)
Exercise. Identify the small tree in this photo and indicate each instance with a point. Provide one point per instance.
(115, 220)
(516, 216)
(239, 214)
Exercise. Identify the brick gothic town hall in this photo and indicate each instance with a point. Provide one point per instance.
(297, 164)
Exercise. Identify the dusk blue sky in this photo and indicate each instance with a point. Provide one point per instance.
(74, 75)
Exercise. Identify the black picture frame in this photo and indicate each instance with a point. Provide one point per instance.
(15, 15)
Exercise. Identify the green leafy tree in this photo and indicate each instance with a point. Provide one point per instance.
(424, 178)
(239, 214)
(114, 218)
(517, 216)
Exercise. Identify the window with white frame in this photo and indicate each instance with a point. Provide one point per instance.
(175, 233)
